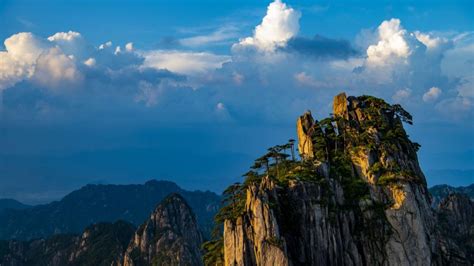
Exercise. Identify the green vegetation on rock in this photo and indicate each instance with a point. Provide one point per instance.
(367, 126)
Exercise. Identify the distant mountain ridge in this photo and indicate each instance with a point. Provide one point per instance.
(440, 192)
(102, 203)
(12, 204)
(170, 236)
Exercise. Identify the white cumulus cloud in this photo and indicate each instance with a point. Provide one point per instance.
(28, 57)
(105, 45)
(18, 61)
(25, 47)
(432, 94)
(11, 71)
(401, 95)
(90, 62)
(429, 41)
(280, 24)
(71, 43)
(129, 47)
(391, 44)
(54, 68)
(65, 36)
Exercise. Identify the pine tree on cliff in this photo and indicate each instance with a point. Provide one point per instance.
(291, 142)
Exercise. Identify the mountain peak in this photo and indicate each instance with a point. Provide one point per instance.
(154, 182)
(357, 196)
(174, 199)
(169, 237)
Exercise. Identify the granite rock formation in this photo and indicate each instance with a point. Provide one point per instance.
(357, 197)
(169, 237)
(440, 192)
(99, 244)
(456, 222)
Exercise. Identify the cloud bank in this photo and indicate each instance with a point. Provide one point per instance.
(273, 74)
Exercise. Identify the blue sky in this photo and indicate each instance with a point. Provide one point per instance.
(146, 22)
(193, 91)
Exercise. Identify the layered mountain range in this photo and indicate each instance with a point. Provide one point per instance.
(170, 236)
(12, 204)
(355, 195)
(102, 203)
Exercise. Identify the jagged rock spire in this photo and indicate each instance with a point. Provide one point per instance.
(339, 107)
(304, 125)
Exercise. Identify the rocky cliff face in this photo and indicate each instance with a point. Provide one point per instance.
(169, 237)
(358, 197)
(456, 221)
(100, 244)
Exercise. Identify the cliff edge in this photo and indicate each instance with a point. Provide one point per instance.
(356, 197)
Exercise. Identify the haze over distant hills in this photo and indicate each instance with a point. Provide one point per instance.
(170, 236)
(102, 203)
(440, 192)
(12, 204)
